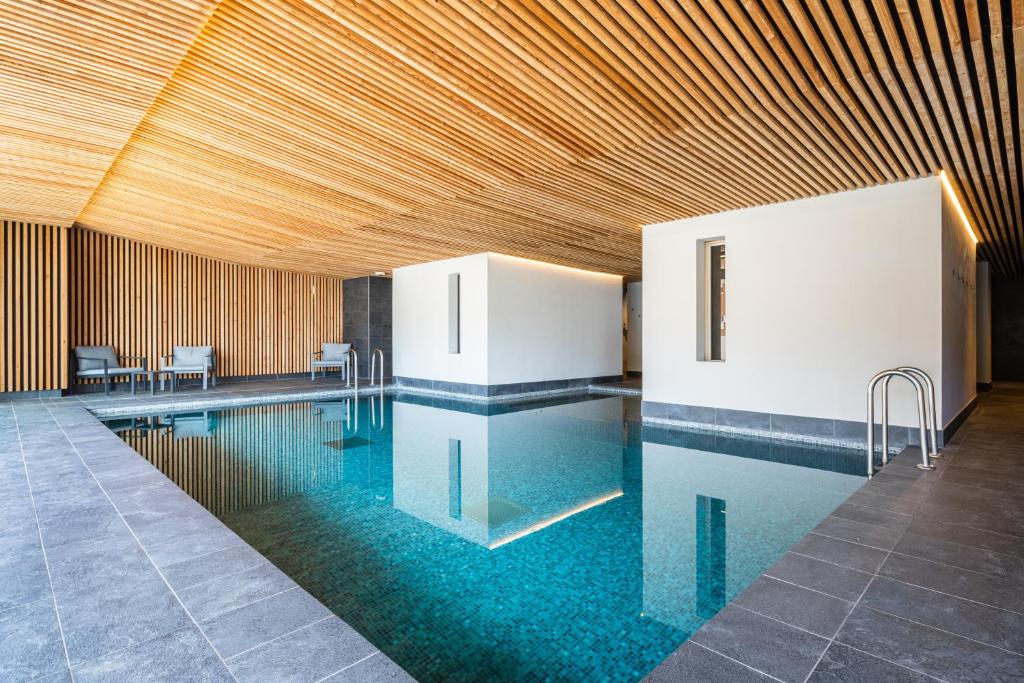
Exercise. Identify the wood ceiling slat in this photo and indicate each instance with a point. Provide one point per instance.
(345, 137)
(76, 78)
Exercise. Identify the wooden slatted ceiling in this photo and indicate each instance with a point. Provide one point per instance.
(76, 77)
(349, 137)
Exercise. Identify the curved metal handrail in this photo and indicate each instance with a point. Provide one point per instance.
(373, 411)
(925, 464)
(929, 405)
(373, 366)
(354, 370)
(348, 416)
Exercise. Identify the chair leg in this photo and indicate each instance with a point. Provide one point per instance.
(106, 386)
(312, 374)
(162, 378)
(133, 383)
(204, 381)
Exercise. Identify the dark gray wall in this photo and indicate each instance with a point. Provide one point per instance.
(1008, 329)
(366, 317)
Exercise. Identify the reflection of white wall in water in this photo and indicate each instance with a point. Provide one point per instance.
(767, 508)
(520, 471)
(421, 437)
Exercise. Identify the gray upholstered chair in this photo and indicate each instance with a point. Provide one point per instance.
(100, 362)
(330, 356)
(189, 360)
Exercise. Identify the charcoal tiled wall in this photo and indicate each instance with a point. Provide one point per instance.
(777, 425)
(366, 317)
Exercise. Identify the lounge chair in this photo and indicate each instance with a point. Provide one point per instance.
(330, 356)
(100, 362)
(189, 360)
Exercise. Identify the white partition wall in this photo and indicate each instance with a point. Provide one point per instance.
(522, 325)
(821, 294)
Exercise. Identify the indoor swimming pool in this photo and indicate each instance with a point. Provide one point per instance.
(546, 541)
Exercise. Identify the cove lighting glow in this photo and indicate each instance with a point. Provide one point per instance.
(956, 202)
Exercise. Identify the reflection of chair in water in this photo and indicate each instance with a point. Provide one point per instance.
(192, 425)
(339, 411)
(331, 411)
(131, 424)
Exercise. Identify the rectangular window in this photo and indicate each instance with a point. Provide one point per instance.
(453, 313)
(714, 300)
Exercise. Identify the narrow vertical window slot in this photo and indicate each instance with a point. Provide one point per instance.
(714, 300)
(454, 342)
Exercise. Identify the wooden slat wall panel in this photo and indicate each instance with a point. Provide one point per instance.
(143, 300)
(33, 307)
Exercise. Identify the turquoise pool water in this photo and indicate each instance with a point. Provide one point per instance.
(555, 541)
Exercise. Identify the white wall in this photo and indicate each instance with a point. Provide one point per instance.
(548, 322)
(634, 323)
(822, 293)
(420, 320)
(959, 325)
(521, 321)
(983, 317)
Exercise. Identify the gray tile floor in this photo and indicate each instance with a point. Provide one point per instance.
(108, 571)
(919, 576)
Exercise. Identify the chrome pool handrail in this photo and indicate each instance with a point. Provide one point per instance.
(925, 463)
(929, 405)
(373, 366)
(355, 370)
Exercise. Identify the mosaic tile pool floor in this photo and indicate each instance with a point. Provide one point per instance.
(561, 542)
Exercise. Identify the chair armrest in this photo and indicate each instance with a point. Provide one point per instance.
(143, 360)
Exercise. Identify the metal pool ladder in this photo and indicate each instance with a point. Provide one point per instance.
(354, 371)
(926, 412)
(373, 366)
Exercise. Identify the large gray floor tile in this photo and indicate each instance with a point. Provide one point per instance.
(858, 532)
(23, 577)
(691, 662)
(30, 642)
(842, 664)
(81, 525)
(191, 572)
(965, 557)
(928, 650)
(983, 623)
(801, 607)
(226, 593)
(247, 627)
(776, 649)
(182, 655)
(824, 577)
(977, 538)
(97, 565)
(96, 624)
(843, 553)
(875, 516)
(152, 530)
(309, 654)
(193, 546)
(964, 583)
